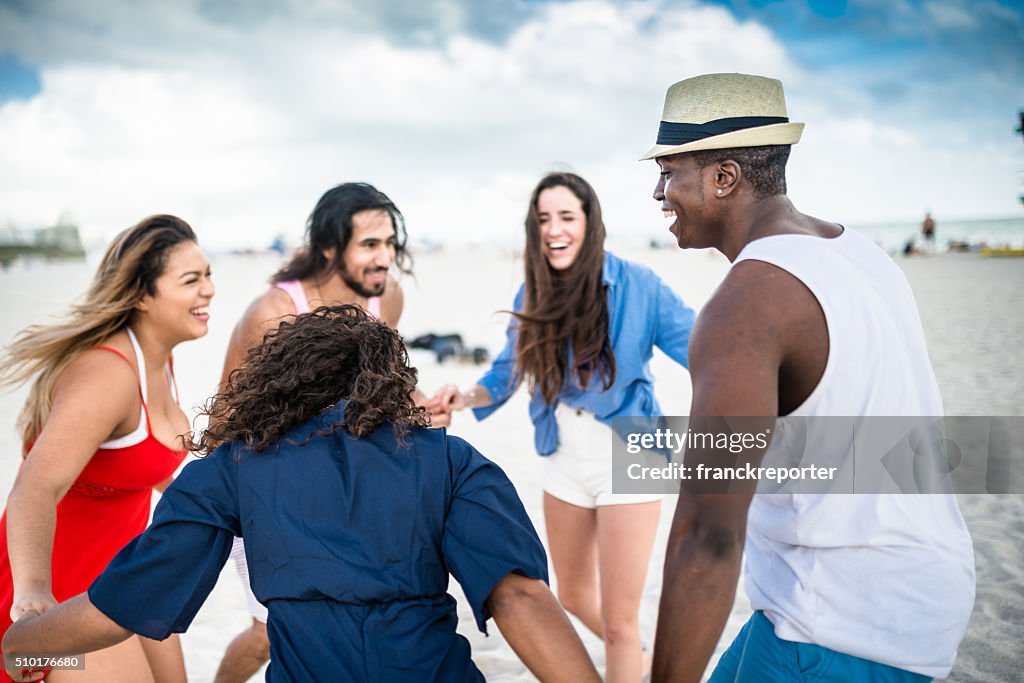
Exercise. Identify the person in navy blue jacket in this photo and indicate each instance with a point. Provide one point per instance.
(584, 327)
(354, 514)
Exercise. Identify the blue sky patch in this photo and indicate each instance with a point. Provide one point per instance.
(18, 81)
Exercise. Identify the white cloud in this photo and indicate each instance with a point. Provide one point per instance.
(947, 15)
(240, 128)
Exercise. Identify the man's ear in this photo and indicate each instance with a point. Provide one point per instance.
(727, 177)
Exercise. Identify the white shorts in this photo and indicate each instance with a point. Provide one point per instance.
(254, 607)
(580, 471)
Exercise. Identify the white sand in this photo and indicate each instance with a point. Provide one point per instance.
(968, 304)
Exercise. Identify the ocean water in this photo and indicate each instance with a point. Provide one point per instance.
(999, 232)
(1004, 232)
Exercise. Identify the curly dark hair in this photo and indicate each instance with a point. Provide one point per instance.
(307, 365)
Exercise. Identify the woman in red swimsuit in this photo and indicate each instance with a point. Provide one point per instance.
(102, 428)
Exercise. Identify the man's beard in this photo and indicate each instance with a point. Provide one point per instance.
(360, 288)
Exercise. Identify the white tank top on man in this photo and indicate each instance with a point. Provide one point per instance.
(886, 577)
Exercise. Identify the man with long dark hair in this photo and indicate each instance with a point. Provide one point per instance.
(353, 237)
(812, 320)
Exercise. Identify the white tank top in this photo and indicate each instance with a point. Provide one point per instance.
(886, 577)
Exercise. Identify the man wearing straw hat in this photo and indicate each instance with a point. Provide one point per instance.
(811, 320)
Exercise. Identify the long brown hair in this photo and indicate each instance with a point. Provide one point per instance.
(305, 366)
(564, 309)
(129, 271)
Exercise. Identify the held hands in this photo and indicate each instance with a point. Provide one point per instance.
(448, 399)
(15, 669)
(22, 674)
(439, 417)
(31, 603)
(443, 403)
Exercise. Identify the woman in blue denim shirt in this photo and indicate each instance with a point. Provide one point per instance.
(584, 327)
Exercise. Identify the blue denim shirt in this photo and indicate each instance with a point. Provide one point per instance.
(643, 313)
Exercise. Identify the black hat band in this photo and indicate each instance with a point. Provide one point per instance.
(670, 133)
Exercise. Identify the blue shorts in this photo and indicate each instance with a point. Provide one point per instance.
(758, 654)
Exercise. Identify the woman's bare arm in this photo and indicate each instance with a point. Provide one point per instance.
(77, 425)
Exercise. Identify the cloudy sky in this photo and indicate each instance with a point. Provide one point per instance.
(238, 114)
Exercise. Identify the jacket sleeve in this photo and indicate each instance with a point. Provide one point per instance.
(500, 381)
(156, 584)
(673, 324)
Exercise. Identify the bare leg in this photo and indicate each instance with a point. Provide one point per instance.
(165, 659)
(123, 663)
(245, 655)
(625, 537)
(572, 543)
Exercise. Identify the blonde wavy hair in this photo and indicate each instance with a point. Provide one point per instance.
(128, 272)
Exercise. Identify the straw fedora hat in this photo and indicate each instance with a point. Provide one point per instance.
(719, 111)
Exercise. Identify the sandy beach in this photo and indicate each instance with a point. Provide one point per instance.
(972, 317)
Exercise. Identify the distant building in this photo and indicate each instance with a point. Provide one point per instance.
(62, 238)
(60, 241)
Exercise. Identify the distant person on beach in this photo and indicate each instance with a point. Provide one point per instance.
(101, 430)
(811, 320)
(353, 237)
(910, 249)
(584, 327)
(353, 513)
(928, 231)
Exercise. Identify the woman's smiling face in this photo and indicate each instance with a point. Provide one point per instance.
(562, 225)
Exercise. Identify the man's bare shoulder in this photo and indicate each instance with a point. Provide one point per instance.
(742, 297)
(758, 292)
(763, 325)
(263, 314)
(739, 341)
(271, 305)
(756, 307)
